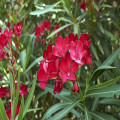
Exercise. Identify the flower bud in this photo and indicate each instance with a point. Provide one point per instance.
(75, 87)
(58, 86)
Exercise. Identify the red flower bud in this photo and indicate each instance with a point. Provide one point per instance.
(58, 86)
(75, 87)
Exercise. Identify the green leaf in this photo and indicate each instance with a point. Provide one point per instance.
(105, 84)
(105, 92)
(17, 93)
(20, 115)
(29, 50)
(111, 58)
(30, 95)
(54, 109)
(61, 28)
(99, 71)
(41, 93)
(65, 20)
(34, 109)
(79, 18)
(100, 27)
(110, 101)
(101, 116)
(22, 58)
(3, 115)
(105, 65)
(108, 6)
(65, 111)
(48, 8)
(96, 7)
(109, 34)
(76, 113)
(3, 27)
(43, 11)
(94, 104)
(94, 51)
(34, 63)
(87, 115)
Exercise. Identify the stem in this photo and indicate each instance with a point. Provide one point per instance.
(75, 28)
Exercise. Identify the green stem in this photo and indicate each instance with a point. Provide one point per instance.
(75, 28)
(4, 71)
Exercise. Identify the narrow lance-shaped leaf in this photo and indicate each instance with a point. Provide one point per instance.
(21, 109)
(105, 65)
(54, 109)
(102, 116)
(87, 115)
(105, 92)
(30, 95)
(110, 101)
(105, 84)
(61, 28)
(61, 114)
(34, 63)
(3, 115)
(48, 8)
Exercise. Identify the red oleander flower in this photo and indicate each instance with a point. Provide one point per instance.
(8, 112)
(7, 24)
(73, 37)
(57, 27)
(5, 38)
(80, 51)
(48, 70)
(3, 91)
(39, 30)
(46, 25)
(17, 29)
(75, 87)
(61, 47)
(48, 54)
(8, 35)
(83, 6)
(68, 68)
(58, 86)
(23, 90)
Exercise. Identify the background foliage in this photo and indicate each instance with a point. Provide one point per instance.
(99, 83)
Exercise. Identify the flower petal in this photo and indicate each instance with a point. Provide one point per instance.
(84, 37)
(42, 85)
(63, 77)
(71, 77)
(74, 67)
(66, 45)
(59, 43)
(55, 51)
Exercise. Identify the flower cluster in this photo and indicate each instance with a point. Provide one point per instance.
(62, 61)
(17, 29)
(5, 37)
(5, 91)
(85, 3)
(40, 30)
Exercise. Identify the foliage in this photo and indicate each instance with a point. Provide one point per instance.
(27, 28)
